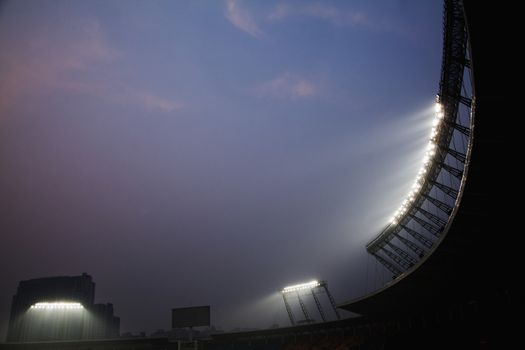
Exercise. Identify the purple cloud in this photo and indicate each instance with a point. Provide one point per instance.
(47, 63)
(242, 19)
(287, 86)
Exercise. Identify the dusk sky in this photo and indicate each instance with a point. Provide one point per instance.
(208, 152)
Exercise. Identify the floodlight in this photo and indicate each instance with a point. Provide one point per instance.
(302, 286)
(62, 305)
(427, 160)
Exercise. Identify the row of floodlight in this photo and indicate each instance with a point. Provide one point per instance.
(57, 305)
(302, 286)
(73, 305)
(427, 163)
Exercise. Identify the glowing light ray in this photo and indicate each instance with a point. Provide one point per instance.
(63, 305)
(302, 286)
(427, 162)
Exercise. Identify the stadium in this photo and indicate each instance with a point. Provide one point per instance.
(449, 271)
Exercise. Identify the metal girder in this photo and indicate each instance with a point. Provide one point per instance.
(447, 209)
(318, 303)
(454, 52)
(419, 237)
(455, 43)
(462, 157)
(466, 101)
(458, 155)
(402, 253)
(411, 245)
(461, 128)
(288, 310)
(453, 171)
(446, 189)
(432, 217)
(315, 291)
(465, 62)
(391, 267)
(332, 300)
(426, 225)
(400, 261)
(451, 94)
(303, 307)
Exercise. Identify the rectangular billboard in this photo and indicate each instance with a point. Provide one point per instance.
(194, 316)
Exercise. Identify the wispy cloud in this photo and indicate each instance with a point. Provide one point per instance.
(287, 86)
(46, 62)
(320, 11)
(122, 94)
(74, 66)
(242, 19)
(157, 102)
(281, 11)
(91, 48)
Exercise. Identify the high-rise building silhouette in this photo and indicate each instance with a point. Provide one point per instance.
(60, 308)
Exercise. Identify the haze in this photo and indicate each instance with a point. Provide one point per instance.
(208, 152)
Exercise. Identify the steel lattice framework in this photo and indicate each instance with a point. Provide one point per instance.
(426, 215)
(313, 289)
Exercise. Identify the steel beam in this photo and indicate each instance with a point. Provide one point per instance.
(446, 189)
(466, 101)
(332, 300)
(390, 267)
(318, 303)
(426, 225)
(289, 310)
(462, 129)
(447, 209)
(303, 307)
(411, 245)
(400, 261)
(458, 155)
(453, 171)
(402, 253)
(432, 217)
(419, 237)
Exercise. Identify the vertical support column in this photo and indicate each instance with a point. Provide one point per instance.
(289, 310)
(331, 298)
(303, 307)
(318, 303)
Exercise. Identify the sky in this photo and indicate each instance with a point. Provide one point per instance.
(208, 152)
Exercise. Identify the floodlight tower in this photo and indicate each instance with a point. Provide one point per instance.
(59, 305)
(314, 287)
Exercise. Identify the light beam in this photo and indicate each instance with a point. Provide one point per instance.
(62, 305)
(302, 286)
(427, 163)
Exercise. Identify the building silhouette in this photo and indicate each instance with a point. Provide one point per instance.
(60, 308)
